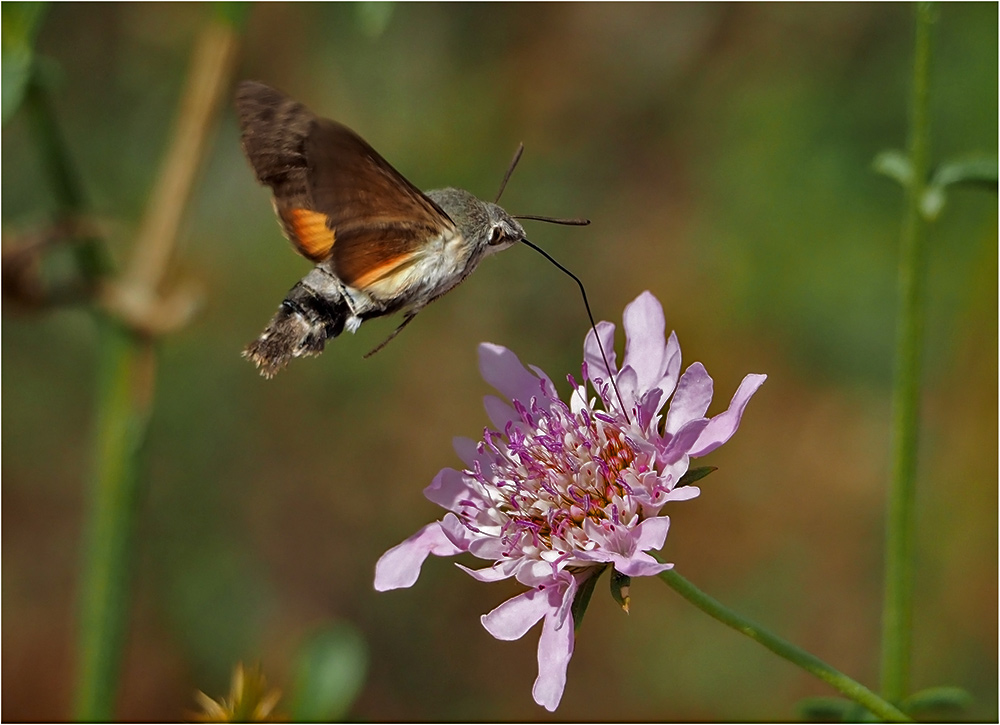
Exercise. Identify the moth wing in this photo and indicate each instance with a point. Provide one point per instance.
(337, 199)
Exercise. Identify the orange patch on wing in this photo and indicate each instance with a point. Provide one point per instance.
(310, 233)
(375, 274)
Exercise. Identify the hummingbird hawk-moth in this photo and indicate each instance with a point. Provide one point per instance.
(379, 244)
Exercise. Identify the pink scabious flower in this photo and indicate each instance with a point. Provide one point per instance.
(556, 491)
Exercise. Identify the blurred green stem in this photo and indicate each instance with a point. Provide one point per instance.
(783, 648)
(124, 393)
(126, 315)
(897, 612)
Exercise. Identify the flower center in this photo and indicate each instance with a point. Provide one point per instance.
(554, 470)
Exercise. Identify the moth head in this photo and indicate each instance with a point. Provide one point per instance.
(502, 229)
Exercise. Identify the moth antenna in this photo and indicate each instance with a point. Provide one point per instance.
(593, 325)
(554, 220)
(406, 321)
(510, 170)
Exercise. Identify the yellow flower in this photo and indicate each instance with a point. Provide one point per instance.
(249, 700)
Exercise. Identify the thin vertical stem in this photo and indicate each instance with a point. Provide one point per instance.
(124, 393)
(900, 539)
(127, 360)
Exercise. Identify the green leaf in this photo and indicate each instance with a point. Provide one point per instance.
(582, 599)
(695, 474)
(945, 697)
(329, 673)
(620, 584)
(980, 172)
(20, 25)
(895, 165)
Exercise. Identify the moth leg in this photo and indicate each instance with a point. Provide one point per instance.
(404, 323)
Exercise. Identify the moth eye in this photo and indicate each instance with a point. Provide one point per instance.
(496, 235)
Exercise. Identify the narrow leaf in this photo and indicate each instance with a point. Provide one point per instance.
(895, 165)
(695, 474)
(582, 599)
(620, 584)
(945, 697)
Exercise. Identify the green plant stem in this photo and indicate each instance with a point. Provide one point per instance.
(126, 364)
(92, 259)
(797, 656)
(124, 381)
(124, 394)
(897, 612)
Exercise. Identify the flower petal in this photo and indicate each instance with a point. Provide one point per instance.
(467, 449)
(512, 619)
(673, 366)
(498, 572)
(651, 533)
(399, 567)
(691, 399)
(721, 428)
(641, 565)
(644, 339)
(449, 488)
(680, 445)
(555, 649)
(499, 412)
(592, 353)
(503, 370)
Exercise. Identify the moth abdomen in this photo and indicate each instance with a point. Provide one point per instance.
(305, 320)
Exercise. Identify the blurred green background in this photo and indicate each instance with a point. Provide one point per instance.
(724, 155)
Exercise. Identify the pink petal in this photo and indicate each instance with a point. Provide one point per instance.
(651, 533)
(644, 336)
(555, 648)
(691, 399)
(512, 619)
(499, 412)
(641, 565)
(592, 353)
(673, 367)
(628, 386)
(449, 488)
(503, 370)
(721, 428)
(467, 449)
(498, 572)
(458, 533)
(681, 443)
(399, 567)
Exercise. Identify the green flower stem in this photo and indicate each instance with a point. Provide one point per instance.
(797, 656)
(897, 613)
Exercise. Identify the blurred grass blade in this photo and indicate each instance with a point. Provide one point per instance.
(329, 674)
(21, 22)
